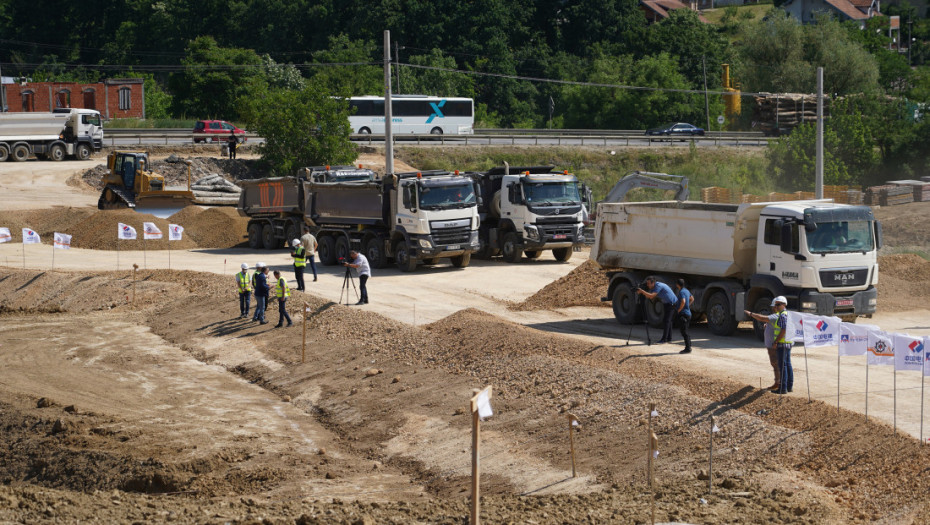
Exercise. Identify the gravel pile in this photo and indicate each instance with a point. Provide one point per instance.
(583, 286)
(174, 169)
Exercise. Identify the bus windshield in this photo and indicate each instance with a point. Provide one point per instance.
(551, 193)
(444, 197)
(841, 237)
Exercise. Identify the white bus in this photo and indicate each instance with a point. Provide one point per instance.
(417, 114)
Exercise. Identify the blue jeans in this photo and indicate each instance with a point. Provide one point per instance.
(244, 300)
(259, 308)
(668, 316)
(362, 282)
(311, 260)
(784, 365)
(282, 312)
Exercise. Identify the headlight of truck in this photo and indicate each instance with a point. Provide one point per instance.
(873, 301)
(809, 306)
(531, 232)
(424, 243)
(473, 239)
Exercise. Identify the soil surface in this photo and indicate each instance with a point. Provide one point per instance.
(147, 399)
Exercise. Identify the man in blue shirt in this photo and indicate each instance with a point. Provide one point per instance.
(667, 296)
(261, 292)
(685, 299)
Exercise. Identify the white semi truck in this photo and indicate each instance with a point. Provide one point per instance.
(526, 210)
(75, 133)
(820, 255)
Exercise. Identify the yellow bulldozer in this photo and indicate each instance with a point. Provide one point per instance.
(130, 184)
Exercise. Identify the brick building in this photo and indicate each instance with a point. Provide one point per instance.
(113, 98)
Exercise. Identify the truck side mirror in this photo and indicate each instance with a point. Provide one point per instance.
(878, 235)
(406, 194)
(477, 190)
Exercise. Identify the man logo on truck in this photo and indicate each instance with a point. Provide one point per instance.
(437, 110)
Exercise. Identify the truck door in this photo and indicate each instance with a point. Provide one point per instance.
(770, 259)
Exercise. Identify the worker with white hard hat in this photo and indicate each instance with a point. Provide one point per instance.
(299, 254)
(244, 286)
(778, 343)
(261, 292)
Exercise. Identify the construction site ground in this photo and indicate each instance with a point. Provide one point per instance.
(147, 400)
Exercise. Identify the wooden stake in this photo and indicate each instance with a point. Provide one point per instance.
(837, 382)
(867, 387)
(649, 434)
(571, 439)
(807, 375)
(653, 448)
(894, 373)
(134, 268)
(710, 460)
(475, 466)
(303, 348)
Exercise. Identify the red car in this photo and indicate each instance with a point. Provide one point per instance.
(215, 130)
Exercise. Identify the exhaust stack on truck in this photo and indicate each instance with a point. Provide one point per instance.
(820, 255)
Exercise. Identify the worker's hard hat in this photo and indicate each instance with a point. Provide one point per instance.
(780, 300)
(244, 266)
(295, 242)
(259, 265)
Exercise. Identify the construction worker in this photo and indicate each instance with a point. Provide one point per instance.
(310, 245)
(244, 284)
(299, 254)
(261, 292)
(282, 293)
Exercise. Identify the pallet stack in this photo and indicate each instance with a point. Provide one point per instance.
(787, 110)
(750, 198)
(920, 188)
(888, 195)
(778, 197)
(716, 194)
(853, 197)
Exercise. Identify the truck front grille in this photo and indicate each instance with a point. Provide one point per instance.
(844, 277)
(457, 235)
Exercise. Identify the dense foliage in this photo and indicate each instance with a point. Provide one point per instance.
(527, 63)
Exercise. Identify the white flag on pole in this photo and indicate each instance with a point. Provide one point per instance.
(881, 348)
(821, 331)
(62, 241)
(910, 352)
(795, 327)
(30, 237)
(654, 413)
(150, 231)
(484, 405)
(854, 338)
(715, 429)
(5, 235)
(175, 232)
(126, 232)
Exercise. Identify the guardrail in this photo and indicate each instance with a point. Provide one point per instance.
(480, 137)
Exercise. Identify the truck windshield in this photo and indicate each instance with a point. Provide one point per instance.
(551, 193)
(444, 197)
(840, 237)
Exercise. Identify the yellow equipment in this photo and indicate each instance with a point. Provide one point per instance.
(129, 184)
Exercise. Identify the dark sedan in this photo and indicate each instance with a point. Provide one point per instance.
(676, 129)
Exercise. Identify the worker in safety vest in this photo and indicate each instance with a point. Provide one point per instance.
(299, 253)
(244, 285)
(282, 293)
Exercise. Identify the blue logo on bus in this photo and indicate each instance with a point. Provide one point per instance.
(437, 110)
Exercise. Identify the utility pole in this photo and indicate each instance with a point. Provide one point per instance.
(818, 185)
(706, 103)
(388, 113)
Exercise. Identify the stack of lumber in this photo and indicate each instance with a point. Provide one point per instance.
(778, 197)
(888, 195)
(716, 194)
(787, 109)
(920, 188)
(749, 198)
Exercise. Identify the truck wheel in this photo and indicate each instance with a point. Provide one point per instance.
(56, 153)
(532, 254)
(255, 236)
(374, 251)
(327, 250)
(4, 152)
(562, 254)
(82, 152)
(624, 304)
(655, 311)
(511, 249)
(342, 248)
(268, 240)
(720, 319)
(461, 261)
(20, 152)
(485, 252)
(763, 305)
(402, 257)
(290, 234)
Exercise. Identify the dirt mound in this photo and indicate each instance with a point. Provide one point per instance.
(583, 286)
(175, 171)
(99, 232)
(904, 226)
(214, 227)
(902, 282)
(45, 222)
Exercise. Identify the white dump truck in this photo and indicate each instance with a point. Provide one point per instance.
(75, 133)
(820, 255)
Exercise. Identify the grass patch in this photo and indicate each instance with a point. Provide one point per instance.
(742, 170)
(739, 12)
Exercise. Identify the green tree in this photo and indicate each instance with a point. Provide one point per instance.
(348, 68)
(214, 78)
(305, 127)
(435, 82)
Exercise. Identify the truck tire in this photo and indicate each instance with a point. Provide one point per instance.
(292, 232)
(624, 304)
(374, 251)
(82, 152)
(562, 254)
(327, 250)
(20, 152)
(485, 252)
(511, 248)
(763, 305)
(461, 261)
(342, 248)
(56, 153)
(532, 254)
(4, 152)
(655, 312)
(255, 236)
(405, 262)
(268, 240)
(720, 319)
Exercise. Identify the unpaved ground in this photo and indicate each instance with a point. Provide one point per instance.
(169, 374)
